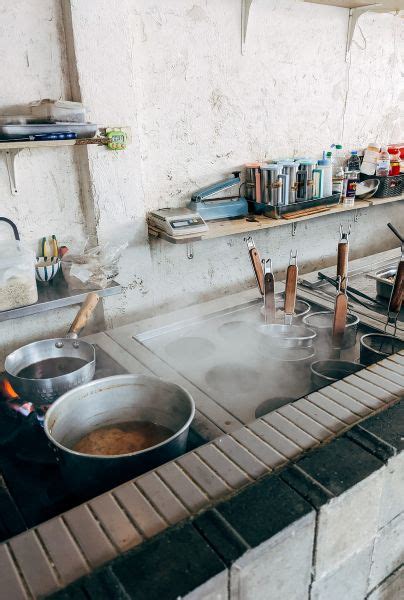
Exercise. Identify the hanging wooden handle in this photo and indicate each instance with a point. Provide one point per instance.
(291, 289)
(342, 263)
(396, 298)
(269, 297)
(257, 266)
(339, 324)
(85, 312)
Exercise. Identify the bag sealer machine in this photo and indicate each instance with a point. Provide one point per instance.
(223, 207)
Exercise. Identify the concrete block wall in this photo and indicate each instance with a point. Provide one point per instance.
(197, 110)
(282, 508)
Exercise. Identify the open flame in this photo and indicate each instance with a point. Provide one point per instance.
(12, 399)
(7, 390)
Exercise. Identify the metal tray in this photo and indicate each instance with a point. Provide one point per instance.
(222, 355)
(383, 285)
(83, 130)
(276, 212)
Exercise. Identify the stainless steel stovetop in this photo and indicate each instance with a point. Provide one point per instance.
(224, 356)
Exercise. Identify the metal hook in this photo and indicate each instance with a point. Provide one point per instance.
(190, 250)
(293, 257)
(266, 265)
(344, 234)
(294, 227)
(250, 242)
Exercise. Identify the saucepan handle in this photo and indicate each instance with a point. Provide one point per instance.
(396, 298)
(82, 317)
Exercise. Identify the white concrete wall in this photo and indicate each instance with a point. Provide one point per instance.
(174, 73)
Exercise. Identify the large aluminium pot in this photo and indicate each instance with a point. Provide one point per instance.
(109, 401)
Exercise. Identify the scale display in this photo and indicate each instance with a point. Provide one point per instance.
(176, 222)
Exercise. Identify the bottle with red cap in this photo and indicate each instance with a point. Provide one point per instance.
(394, 160)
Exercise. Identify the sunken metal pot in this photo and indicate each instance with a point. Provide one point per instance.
(376, 346)
(325, 372)
(302, 308)
(109, 401)
(322, 323)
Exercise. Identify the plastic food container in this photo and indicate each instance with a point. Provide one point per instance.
(17, 275)
(59, 110)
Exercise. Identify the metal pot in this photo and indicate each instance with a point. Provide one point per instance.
(45, 390)
(376, 346)
(302, 308)
(109, 401)
(286, 336)
(322, 323)
(325, 372)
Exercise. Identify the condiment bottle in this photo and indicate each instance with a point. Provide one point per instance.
(383, 164)
(354, 163)
(349, 191)
(394, 160)
(370, 159)
(326, 167)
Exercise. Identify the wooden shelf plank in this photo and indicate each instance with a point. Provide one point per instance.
(234, 227)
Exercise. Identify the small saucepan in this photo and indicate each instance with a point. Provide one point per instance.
(325, 372)
(376, 346)
(42, 371)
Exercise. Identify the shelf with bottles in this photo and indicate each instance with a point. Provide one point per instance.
(218, 229)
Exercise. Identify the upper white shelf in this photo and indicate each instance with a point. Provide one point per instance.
(356, 9)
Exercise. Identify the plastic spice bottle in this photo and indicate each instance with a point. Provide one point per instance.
(370, 159)
(383, 164)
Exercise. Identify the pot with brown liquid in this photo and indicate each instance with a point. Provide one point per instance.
(110, 430)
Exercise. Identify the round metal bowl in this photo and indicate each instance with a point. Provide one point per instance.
(286, 336)
(322, 323)
(376, 346)
(302, 308)
(367, 188)
(109, 401)
(324, 372)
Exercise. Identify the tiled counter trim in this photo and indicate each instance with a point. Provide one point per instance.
(52, 555)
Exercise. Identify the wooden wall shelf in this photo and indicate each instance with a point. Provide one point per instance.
(219, 229)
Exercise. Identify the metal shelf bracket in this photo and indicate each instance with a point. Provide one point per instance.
(10, 162)
(245, 14)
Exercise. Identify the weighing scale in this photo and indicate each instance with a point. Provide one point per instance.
(225, 207)
(177, 221)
